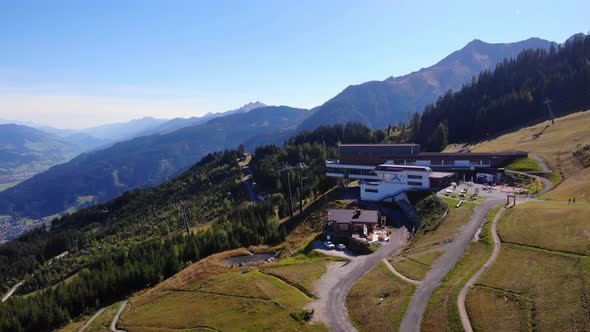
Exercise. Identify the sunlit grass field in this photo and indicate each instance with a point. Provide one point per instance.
(377, 301)
(535, 283)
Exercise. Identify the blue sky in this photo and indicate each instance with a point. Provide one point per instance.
(81, 63)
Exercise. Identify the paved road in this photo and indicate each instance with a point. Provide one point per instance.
(463, 293)
(335, 284)
(399, 275)
(91, 320)
(455, 250)
(117, 316)
(11, 291)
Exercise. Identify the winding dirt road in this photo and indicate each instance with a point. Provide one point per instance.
(455, 250)
(335, 284)
(463, 293)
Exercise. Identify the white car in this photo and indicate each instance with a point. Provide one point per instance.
(329, 245)
(341, 247)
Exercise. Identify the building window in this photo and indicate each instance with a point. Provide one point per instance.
(412, 183)
(371, 190)
(415, 177)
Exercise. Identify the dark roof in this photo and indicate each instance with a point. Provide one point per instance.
(347, 216)
(401, 168)
(467, 154)
(379, 148)
(385, 145)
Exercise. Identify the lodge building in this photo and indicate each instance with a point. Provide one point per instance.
(385, 170)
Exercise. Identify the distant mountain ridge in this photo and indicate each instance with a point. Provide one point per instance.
(380, 103)
(123, 130)
(179, 123)
(140, 162)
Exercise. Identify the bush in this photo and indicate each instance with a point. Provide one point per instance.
(302, 316)
(359, 247)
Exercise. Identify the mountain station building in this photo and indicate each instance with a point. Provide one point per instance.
(386, 170)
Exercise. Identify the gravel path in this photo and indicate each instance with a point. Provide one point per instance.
(335, 284)
(455, 250)
(463, 294)
(117, 316)
(399, 275)
(91, 320)
(542, 163)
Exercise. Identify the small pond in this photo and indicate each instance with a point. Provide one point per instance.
(247, 259)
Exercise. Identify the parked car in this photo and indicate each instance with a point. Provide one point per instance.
(341, 247)
(329, 245)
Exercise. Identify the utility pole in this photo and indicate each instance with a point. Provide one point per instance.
(290, 197)
(300, 191)
(548, 103)
(301, 167)
(288, 169)
(183, 205)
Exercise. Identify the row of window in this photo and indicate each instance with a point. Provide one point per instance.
(413, 183)
(415, 177)
(367, 190)
(351, 171)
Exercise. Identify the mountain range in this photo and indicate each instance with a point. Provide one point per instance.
(148, 160)
(378, 104)
(179, 123)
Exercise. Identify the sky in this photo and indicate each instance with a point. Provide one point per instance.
(75, 64)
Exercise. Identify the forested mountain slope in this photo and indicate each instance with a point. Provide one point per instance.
(511, 96)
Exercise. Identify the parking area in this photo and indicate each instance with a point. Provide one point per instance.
(321, 247)
(476, 192)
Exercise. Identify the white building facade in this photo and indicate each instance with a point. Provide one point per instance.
(383, 182)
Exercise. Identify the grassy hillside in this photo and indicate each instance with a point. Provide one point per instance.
(210, 296)
(556, 145)
(545, 253)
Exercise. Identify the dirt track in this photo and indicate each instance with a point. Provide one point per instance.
(117, 316)
(399, 275)
(463, 294)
